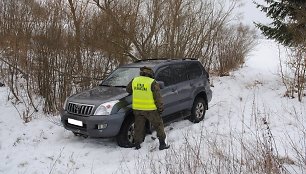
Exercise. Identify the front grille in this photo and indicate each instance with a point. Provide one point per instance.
(79, 109)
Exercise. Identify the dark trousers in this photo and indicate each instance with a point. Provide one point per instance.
(140, 120)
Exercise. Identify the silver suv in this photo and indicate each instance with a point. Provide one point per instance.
(105, 111)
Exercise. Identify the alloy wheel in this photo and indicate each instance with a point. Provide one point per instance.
(200, 110)
(131, 133)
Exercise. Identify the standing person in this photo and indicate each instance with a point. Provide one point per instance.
(147, 104)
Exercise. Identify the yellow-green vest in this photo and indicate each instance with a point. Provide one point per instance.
(142, 94)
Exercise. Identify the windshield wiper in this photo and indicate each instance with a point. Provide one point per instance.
(120, 86)
(105, 85)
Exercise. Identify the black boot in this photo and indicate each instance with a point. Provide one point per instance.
(137, 146)
(163, 145)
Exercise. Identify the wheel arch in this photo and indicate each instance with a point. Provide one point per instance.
(129, 113)
(122, 136)
(203, 95)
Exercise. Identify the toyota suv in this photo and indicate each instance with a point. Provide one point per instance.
(106, 110)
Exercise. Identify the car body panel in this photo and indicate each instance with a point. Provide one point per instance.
(98, 95)
(169, 95)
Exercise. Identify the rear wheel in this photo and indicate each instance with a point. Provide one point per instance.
(198, 110)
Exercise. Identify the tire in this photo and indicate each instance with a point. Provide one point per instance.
(198, 110)
(125, 138)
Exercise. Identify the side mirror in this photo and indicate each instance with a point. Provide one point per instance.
(161, 84)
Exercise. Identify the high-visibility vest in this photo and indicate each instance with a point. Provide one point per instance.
(142, 94)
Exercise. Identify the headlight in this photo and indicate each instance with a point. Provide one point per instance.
(105, 108)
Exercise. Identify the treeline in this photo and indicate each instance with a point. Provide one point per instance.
(54, 48)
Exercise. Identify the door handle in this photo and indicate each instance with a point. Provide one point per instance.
(174, 90)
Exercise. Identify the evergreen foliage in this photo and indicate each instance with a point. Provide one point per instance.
(289, 21)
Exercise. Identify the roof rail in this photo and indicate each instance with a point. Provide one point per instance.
(189, 59)
(165, 59)
(142, 60)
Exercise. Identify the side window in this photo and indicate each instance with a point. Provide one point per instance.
(194, 70)
(164, 75)
(172, 74)
(179, 73)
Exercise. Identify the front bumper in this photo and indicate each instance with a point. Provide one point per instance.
(90, 124)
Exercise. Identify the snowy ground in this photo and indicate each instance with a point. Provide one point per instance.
(41, 146)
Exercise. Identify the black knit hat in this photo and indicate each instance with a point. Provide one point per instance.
(146, 71)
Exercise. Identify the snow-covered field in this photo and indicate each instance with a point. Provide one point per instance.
(247, 106)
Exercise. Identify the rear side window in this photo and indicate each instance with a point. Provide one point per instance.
(194, 70)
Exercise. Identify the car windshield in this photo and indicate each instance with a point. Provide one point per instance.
(120, 77)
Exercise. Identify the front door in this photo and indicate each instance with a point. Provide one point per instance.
(169, 92)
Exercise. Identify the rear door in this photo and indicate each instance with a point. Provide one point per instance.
(195, 80)
(176, 91)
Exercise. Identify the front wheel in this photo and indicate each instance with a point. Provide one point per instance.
(81, 135)
(198, 110)
(125, 138)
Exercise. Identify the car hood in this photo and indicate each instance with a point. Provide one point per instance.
(99, 95)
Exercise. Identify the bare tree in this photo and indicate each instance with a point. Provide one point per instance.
(57, 47)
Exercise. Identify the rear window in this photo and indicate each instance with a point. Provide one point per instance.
(194, 70)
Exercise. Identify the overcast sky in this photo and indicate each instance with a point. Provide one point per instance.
(268, 50)
(252, 14)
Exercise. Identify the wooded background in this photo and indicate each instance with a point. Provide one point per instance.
(55, 48)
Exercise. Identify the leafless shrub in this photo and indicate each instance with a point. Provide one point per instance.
(41, 43)
(176, 29)
(297, 142)
(217, 154)
(254, 150)
(233, 45)
(295, 77)
(61, 47)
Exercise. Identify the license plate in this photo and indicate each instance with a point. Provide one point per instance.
(75, 122)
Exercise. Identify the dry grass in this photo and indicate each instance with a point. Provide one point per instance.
(254, 150)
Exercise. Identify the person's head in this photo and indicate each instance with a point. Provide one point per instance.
(146, 71)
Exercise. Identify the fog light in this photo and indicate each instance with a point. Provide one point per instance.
(102, 126)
